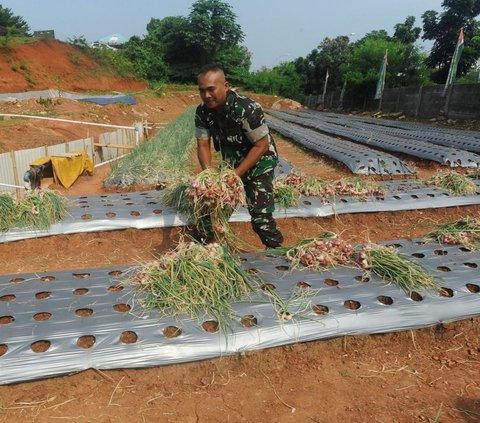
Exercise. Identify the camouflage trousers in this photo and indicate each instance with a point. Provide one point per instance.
(261, 204)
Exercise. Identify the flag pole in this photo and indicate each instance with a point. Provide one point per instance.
(325, 88)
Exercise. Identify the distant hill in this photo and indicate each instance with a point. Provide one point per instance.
(54, 64)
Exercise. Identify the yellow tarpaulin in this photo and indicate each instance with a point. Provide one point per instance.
(67, 167)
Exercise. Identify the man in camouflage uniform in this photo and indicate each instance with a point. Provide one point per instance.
(236, 125)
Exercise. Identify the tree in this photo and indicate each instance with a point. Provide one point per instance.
(406, 65)
(330, 54)
(15, 25)
(405, 32)
(178, 46)
(444, 29)
(212, 28)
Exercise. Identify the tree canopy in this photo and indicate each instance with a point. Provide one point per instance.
(15, 25)
(444, 29)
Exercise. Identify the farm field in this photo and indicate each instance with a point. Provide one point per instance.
(424, 375)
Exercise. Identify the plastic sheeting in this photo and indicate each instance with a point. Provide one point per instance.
(145, 209)
(464, 140)
(358, 158)
(103, 99)
(83, 319)
(448, 156)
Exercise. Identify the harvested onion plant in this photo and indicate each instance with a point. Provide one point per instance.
(195, 280)
(40, 209)
(392, 266)
(285, 195)
(316, 187)
(7, 212)
(328, 250)
(453, 182)
(176, 195)
(318, 253)
(209, 199)
(465, 231)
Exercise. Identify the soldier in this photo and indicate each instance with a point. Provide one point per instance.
(236, 125)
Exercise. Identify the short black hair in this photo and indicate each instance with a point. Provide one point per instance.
(210, 67)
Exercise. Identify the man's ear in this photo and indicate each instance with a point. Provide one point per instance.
(227, 84)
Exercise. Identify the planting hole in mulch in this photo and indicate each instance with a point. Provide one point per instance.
(444, 269)
(210, 326)
(446, 292)
(110, 214)
(303, 284)
(86, 341)
(85, 216)
(282, 268)
(172, 331)
(352, 304)
(249, 321)
(252, 271)
(473, 288)
(42, 316)
(5, 320)
(414, 196)
(40, 346)
(157, 211)
(362, 278)
(320, 309)
(115, 288)
(471, 265)
(81, 275)
(396, 197)
(268, 287)
(84, 206)
(342, 200)
(115, 273)
(108, 205)
(465, 249)
(385, 300)
(152, 202)
(243, 259)
(80, 291)
(122, 308)
(415, 296)
(48, 278)
(380, 198)
(8, 297)
(84, 312)
(418, 255)
(440, 252)
(42, 295)
(134, 213)
(128, 337)
(3, 349)
(307, 203)
(330, 282)
(16, 280)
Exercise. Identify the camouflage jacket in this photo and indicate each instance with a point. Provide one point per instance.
(235, 129)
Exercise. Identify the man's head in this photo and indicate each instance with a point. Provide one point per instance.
(213, 86)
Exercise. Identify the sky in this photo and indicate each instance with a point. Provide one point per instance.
(275, 30)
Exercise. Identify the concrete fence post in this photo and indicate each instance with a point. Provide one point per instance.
(419, 101)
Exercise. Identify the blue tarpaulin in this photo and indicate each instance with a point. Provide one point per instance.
(103, 101)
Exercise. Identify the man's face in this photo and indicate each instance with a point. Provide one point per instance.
(213, 89)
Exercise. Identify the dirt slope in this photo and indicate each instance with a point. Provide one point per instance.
(53, 64)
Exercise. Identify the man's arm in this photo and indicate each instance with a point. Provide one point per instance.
(203, 152)
(254, 155)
